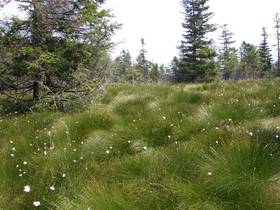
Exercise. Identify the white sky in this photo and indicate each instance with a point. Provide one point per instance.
(159, 23)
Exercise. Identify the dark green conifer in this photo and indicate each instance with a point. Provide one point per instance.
(197, 57)
(227, 55)
(265, 55)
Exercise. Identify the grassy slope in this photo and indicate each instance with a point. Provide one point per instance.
(213, 146)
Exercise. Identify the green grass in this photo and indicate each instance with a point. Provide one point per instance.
(207, 146)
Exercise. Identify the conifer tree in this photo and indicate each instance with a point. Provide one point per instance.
(227, 55)
(55, 47)
(142, 63)
(249, 61)
(197, 57)
(265, 55)
(154, 72)
(124, 64)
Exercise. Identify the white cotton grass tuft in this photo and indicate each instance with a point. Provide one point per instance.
(26, 188)
(36, 203)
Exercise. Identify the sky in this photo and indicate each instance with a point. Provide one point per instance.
(159, 23)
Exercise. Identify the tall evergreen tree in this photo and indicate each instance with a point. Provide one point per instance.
(154, 72)
(54, 46)
(227, 55)
(197, 56)
(249, 61)
(142, 63)
(174, 70)
(265, 55)
(124, 64)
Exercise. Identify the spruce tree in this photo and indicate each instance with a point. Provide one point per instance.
(174, 69)
(142, 63)
(197, 57)
(264, 55)
(249, 61)
(55, 47)
(227, 55)
(123, 64)
(154, 72)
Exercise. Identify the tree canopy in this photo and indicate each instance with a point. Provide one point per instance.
(55, 47)
(197, 55)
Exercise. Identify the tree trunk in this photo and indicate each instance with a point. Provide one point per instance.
(39, 80)
(36, 91)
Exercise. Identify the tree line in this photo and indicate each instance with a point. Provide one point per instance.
(58, 52)
(201, 61)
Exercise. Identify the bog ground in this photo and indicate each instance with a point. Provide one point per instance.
(208, 146)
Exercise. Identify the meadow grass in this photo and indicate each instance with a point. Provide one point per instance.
(209, 146)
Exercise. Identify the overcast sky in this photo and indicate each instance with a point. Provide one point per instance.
(159, 23)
